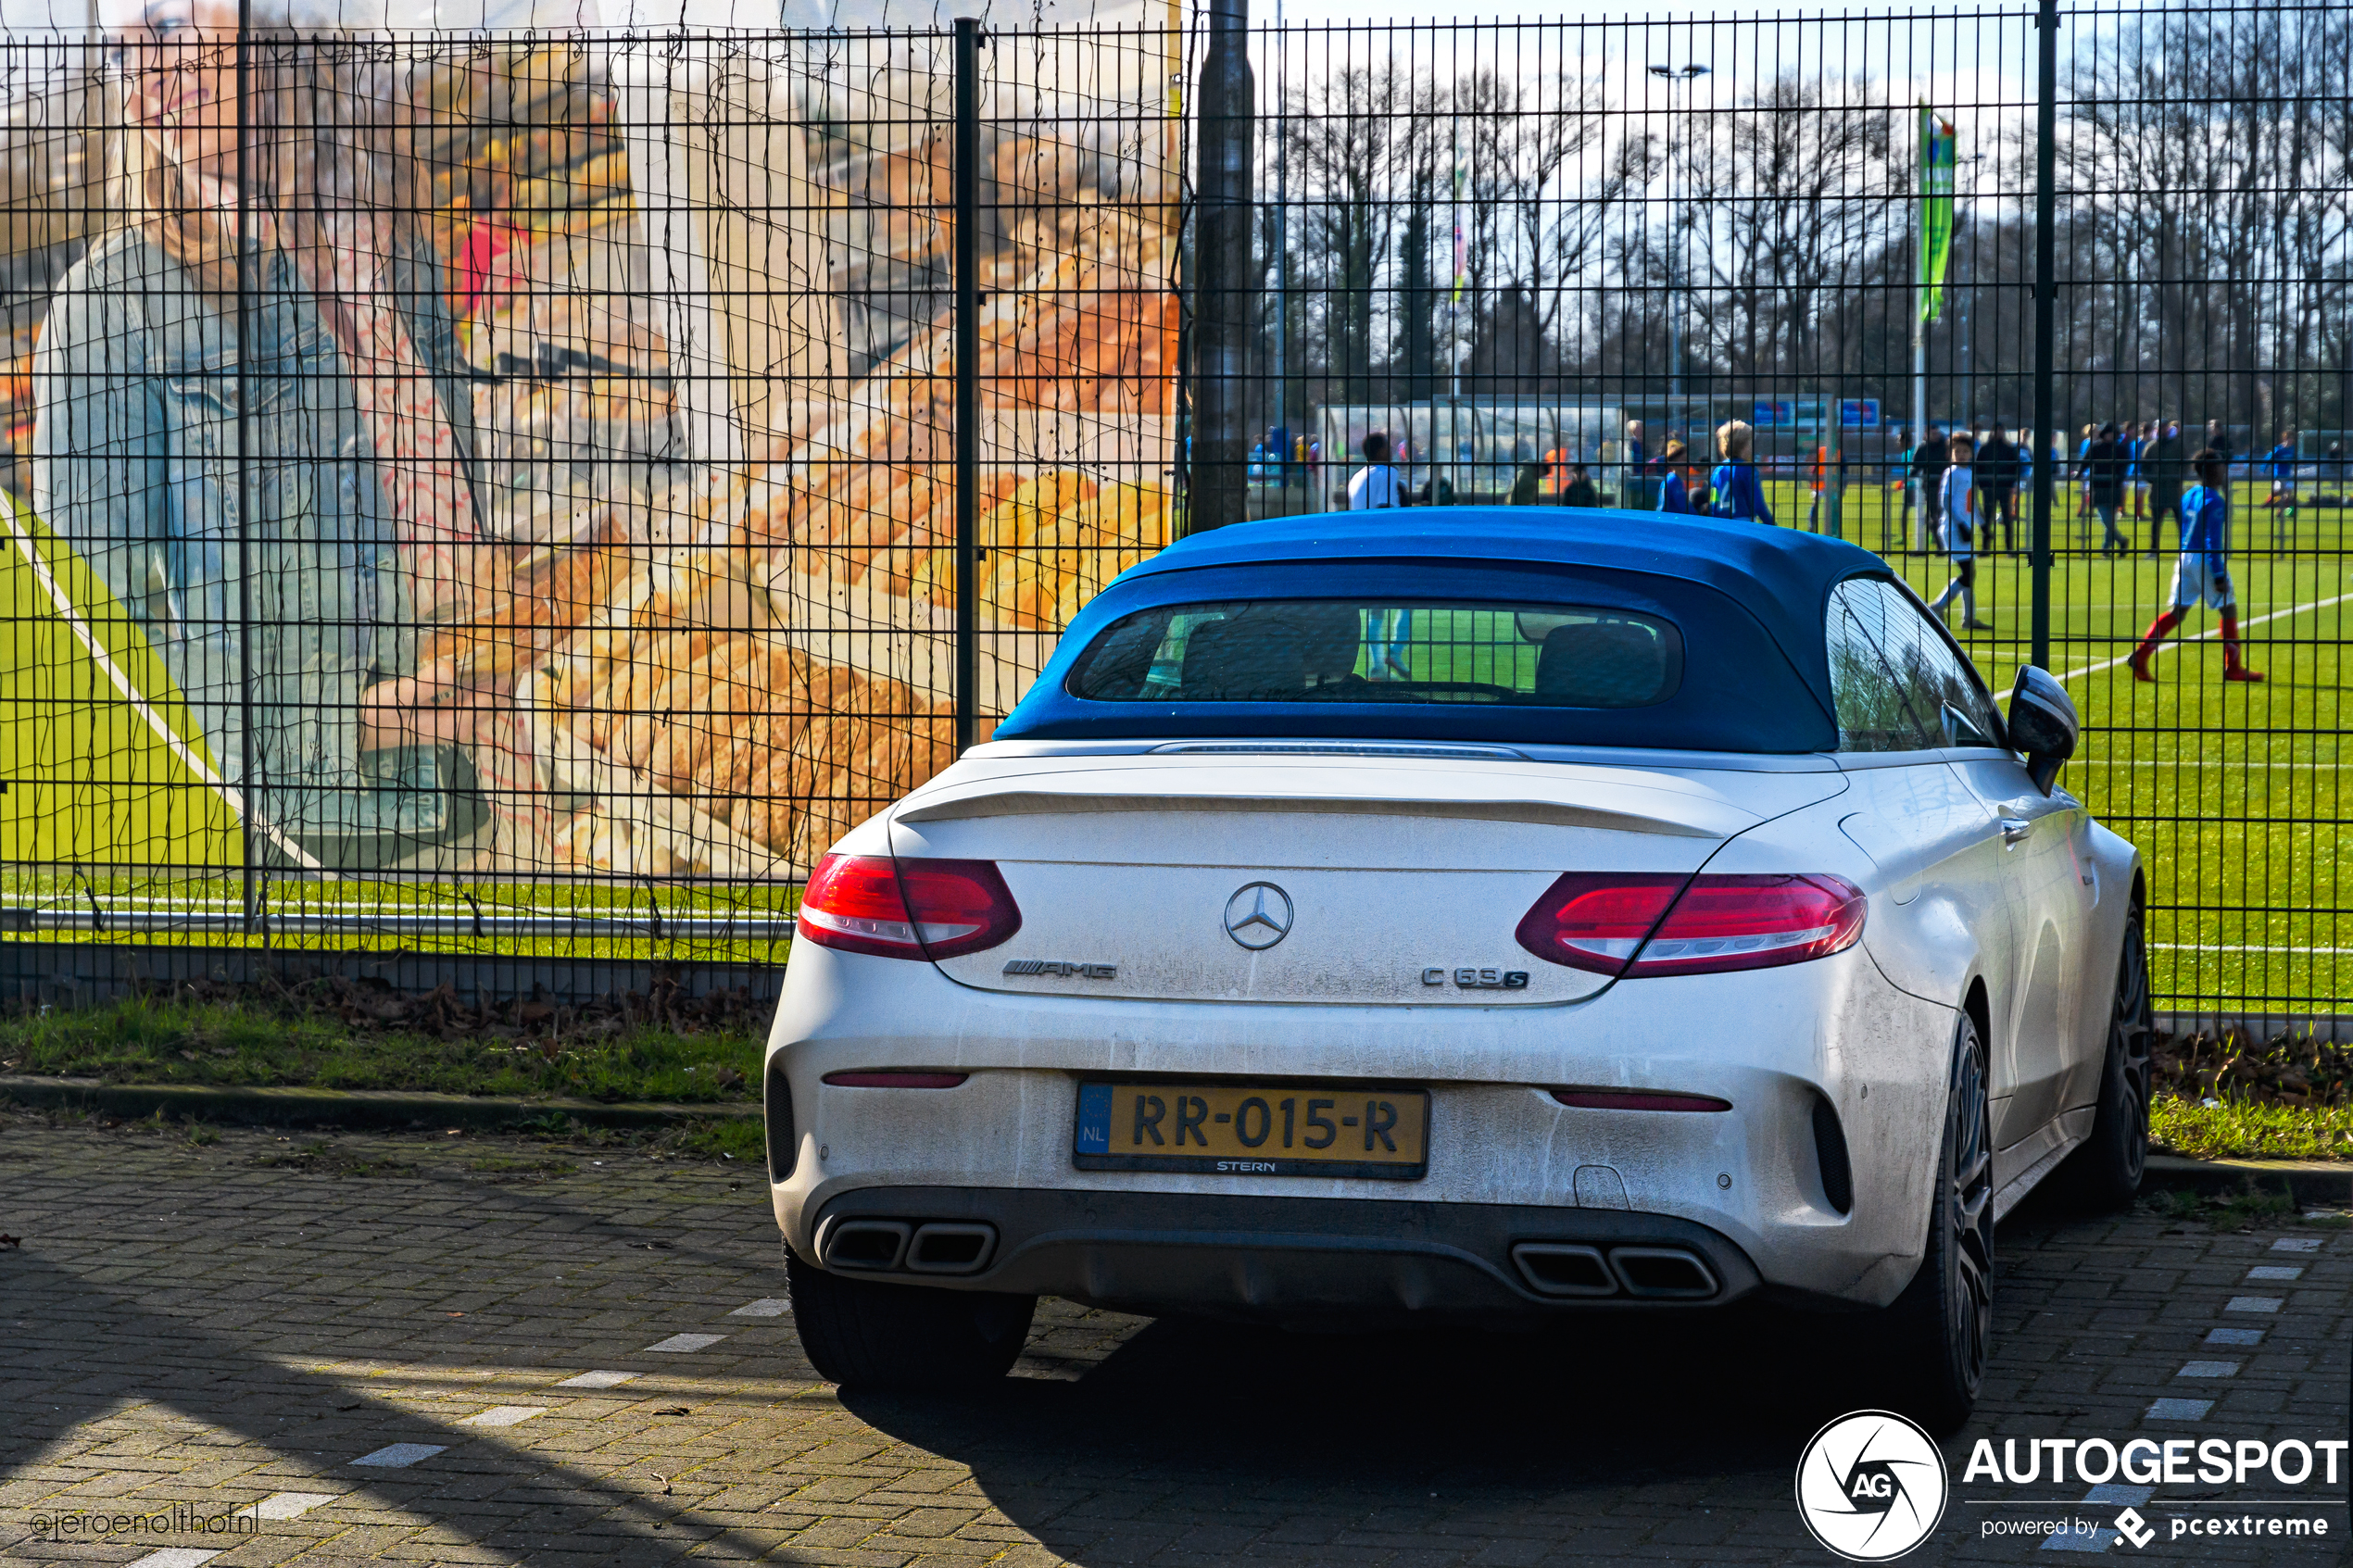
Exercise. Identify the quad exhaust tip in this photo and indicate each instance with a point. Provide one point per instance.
(923, 1246)
(1574, 1269)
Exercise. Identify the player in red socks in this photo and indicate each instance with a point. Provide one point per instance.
(2202, 570)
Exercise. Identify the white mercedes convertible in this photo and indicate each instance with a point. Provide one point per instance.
(1464, 915)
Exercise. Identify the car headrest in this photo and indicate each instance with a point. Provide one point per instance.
(1600, 664)
(1243, 660)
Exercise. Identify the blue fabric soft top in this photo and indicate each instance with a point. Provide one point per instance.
(1749, 601)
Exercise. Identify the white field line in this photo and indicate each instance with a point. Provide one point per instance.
(2242, 948)
(139, 705)
(2210, 631)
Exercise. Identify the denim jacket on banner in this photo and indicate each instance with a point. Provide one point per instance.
(136, 466)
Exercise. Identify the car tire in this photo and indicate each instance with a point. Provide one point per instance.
(867, 1333)
(2105, 1173)
(1941, 1326)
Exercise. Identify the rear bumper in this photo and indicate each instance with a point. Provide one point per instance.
(1290, 1258)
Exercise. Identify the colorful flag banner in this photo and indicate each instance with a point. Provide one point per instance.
(1937, 139)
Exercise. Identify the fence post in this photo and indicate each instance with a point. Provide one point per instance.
(967, 355)
(1221, 256)
(250, 766)
(2046, 303)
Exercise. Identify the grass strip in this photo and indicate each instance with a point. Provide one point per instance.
(697, 1051)
(2243, 1130)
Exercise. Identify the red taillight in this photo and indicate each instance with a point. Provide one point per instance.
(1637, 1099)
(1593, 921)
(862, 904)
(1596, 921)
(896, 1080)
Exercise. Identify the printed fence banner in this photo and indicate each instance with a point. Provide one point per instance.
(530, 454)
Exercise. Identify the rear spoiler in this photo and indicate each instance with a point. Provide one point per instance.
(1029, 801)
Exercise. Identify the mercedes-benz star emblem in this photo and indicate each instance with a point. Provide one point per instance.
(1258, 915)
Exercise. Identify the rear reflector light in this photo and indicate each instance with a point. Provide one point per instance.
(907, 908)
(895, 1080)
(1645, 925)
(1638, 1099)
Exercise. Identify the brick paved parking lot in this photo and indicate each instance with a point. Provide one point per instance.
(415, 1348)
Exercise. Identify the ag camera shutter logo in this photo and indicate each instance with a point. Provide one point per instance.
(1872, 1485)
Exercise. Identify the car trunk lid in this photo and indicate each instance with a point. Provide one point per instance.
(1210, 876)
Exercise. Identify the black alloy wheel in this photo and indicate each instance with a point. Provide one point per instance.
(2105, 1173)
(1942, 1325)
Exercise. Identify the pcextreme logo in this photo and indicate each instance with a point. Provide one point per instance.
(1872, 1485)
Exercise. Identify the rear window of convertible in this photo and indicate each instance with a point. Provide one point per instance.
(1337, 651)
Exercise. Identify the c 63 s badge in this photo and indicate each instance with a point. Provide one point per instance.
(1062, 969)
(1471, 979)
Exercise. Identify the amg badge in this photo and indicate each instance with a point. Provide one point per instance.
(1060, 966)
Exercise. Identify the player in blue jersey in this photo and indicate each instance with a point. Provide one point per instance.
(2280, 462)
(2136, 483)
(2203, 573)
(1683, 490)
(1739, 494)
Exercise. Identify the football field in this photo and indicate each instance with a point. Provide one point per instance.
(2231, 791)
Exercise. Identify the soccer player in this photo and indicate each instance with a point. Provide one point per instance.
(2281, 461)
(2203, 573)
(2083, 475)
(1683, 490)
(2104, 486)
(1738, 492)
(1960, 505)
(1929, 461)
(1997, 475)
(1373, 487)
(2136, 483)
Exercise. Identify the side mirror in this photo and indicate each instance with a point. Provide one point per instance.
(2042, 725)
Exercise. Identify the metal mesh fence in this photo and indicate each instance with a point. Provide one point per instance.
(526, 483)
(504, 494)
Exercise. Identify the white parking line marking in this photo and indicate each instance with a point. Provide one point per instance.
(2068, 1540)
(504, 1416)
(2210, 631)
(290, 1505)
(2235, 1337)
(2179, 1410)
(2107, 1495)
(2297, 1244)
(2208, 1369)
(399, 1456)
(176, 1557)
(688, 1342)
(2254, 1304)
(597, 1380)
(2274, 1272)
(766, 1307)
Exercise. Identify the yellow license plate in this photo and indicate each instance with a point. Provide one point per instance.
(1254, 1129)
